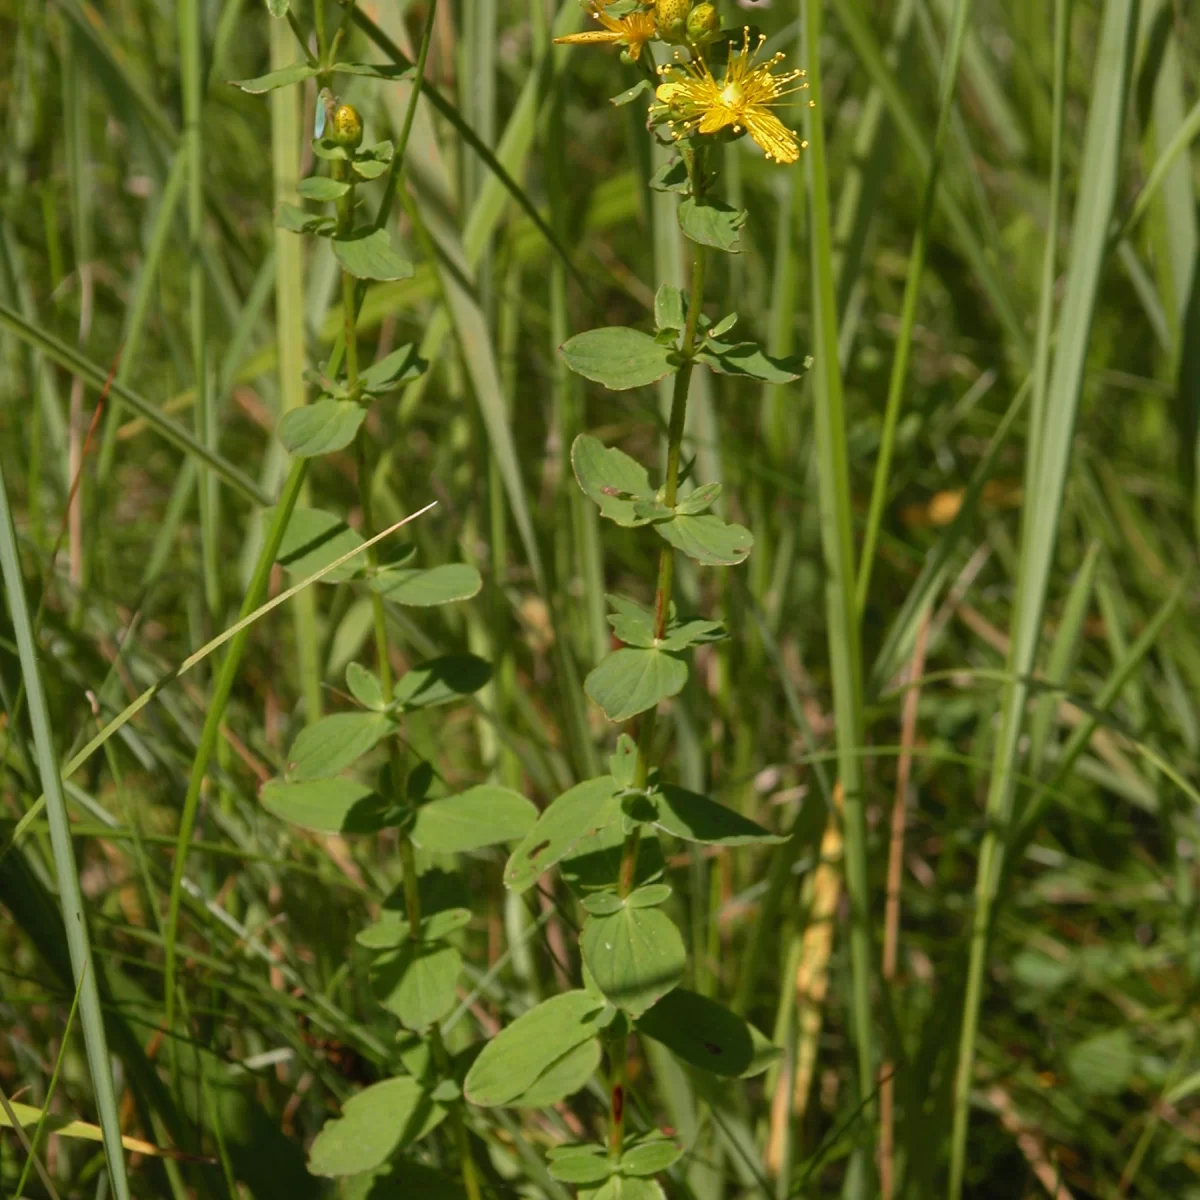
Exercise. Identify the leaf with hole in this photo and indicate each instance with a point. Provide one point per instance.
(630, 680)
(696, 818)
(712, 223)
(707, 539)
(513, 1061)
(342, 806)
(618, 357)
(313, 540)
(368, 254)
(569, 819)
(375, 1124)
(320, 428)
(425, 587)
(486, 815)
(440, 681)
(635, 955)
(417, 981)
(707, 1035)
(611, 479)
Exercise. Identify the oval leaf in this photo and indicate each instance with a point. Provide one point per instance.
(618, 357)
(320, 428)
(327, 805)
(656, 1152)
(284, 77)
(424, 587)
(707, 539)
(636, 956)
(330, 745)
(374, 1125)
(579, 812)
(712, 223)
(481, 816)
(441, 680)
(707, 1035)
(748, 360)
(513, 1061)
(563, 1078)
(612, 479)
(322, 188)
(696, 818)
(315, 539)
(418, 982)
(368, 254)
(630, 680)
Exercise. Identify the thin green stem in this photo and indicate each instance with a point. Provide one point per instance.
(212, 720)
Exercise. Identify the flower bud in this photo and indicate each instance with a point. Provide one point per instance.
(670, 19)
(346, 127)
(703, 23)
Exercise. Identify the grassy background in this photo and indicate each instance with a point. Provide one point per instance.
(117, 239)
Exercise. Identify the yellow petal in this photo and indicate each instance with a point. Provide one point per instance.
(775, 138)
(589, 37)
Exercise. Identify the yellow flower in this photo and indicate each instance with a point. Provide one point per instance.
(632, 31)
(741, 100)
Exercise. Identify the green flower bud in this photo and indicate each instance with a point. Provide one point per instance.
(346, 127)
(670, 18)
(703, 23)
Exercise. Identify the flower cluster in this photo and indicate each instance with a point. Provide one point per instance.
(690, 99)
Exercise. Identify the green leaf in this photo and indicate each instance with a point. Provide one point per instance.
(602, 904)
(322, 188)
(481, 816)
(595, 861)
(632, 623)
(712, 223)
(696, 818)
(296, 220)
(580, 1164)
(365, 687)
(389, 71)
(618, 357)
(699, 500)
(314, 539)
(1103, 1065)
(610, 478)
(683, 634)
(392, 928)
(564, 1077)
(440, 681)
(629, 95)
(630, 680)
(320, 428)
(405, 1179)
(671, 177)
(650, 1154)
(623, 761)
(376, 1123)
(649, 897)
(285, 77)
(621, 1187)
(707, 539)
(330, 745)
(748, 360)
(327, 805)
(514, 1060)
(368, 254)
(707, 1035)
(724, 325)
(669, 308)
(399, 367)
(635, 956)
(278, 8)
(417, 981)
(423, 587)
(369, 168)
(573, 816)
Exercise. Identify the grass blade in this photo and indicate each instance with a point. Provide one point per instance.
(70, 896)
(1047, 464)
